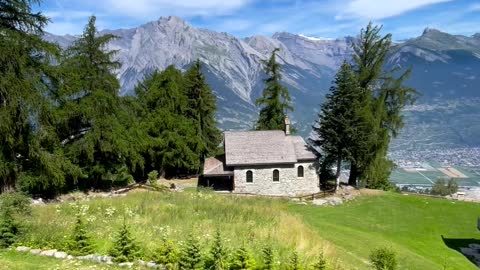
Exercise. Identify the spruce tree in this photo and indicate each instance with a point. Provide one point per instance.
(320, 263)
(167, 254)
(9, 229)
(294, 263)
(191, 257)
(242, 259)
(80, 243)
(275, 102)
(29, 153)
(124, 247)
(268, 258)
(202, 108)
(341, 117)
(218, 257)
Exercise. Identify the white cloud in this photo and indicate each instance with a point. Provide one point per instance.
(375, 9)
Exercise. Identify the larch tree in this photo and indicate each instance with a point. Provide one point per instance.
(29, 154)
(173, 145)
(88, 118)
(275, 102)
(388, 96)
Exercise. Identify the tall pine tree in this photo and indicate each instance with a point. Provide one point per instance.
(275, 101)
(202, 108)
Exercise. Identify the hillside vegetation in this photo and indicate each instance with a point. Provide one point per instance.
(411, 226)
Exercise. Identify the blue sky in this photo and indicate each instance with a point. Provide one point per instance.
(320, 18)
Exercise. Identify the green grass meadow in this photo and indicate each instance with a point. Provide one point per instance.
(412, 226)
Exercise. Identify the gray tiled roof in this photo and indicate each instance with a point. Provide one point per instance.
(216, 166)
(264, 147)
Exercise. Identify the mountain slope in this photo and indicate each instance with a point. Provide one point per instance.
(445, 67)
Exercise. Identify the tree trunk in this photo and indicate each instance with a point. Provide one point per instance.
(339, 171)
(352, 179)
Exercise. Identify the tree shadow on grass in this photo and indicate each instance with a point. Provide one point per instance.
(470, 246)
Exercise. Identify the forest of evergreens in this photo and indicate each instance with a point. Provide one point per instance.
(63, 125)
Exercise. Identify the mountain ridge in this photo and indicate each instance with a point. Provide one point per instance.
(445, 66)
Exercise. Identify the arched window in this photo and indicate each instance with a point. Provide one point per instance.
(249, 176)
(300, 171)
(276, 176)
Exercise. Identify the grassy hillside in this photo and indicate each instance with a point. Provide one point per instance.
(412, 226)
(249, 221)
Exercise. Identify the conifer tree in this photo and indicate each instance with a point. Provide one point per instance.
(171, 142)
(320, 263)
(124, 248)
(202, 108)
(167, 254)
(294, 263)
(242, 259)
(191, 257)
(218, 257)
(80, 243)
(88, 118)
(8, 228)
(275, 102)
(29, 156)
(341, 117)
(387, 97)
(268, 258)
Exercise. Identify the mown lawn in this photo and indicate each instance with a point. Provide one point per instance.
(411, 225)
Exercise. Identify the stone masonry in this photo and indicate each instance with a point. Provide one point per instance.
(289, 184)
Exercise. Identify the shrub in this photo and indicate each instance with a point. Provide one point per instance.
(124, 247)
(8, 229)
(16, 202)
(167, 254)
(442, 188)
(191, 257)
(268, 258)
(294, 263)
(383, 259)
(152, 177)
(218, 256)
(320, 263)
(242, 259)
(80, 243)
(11, 203)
